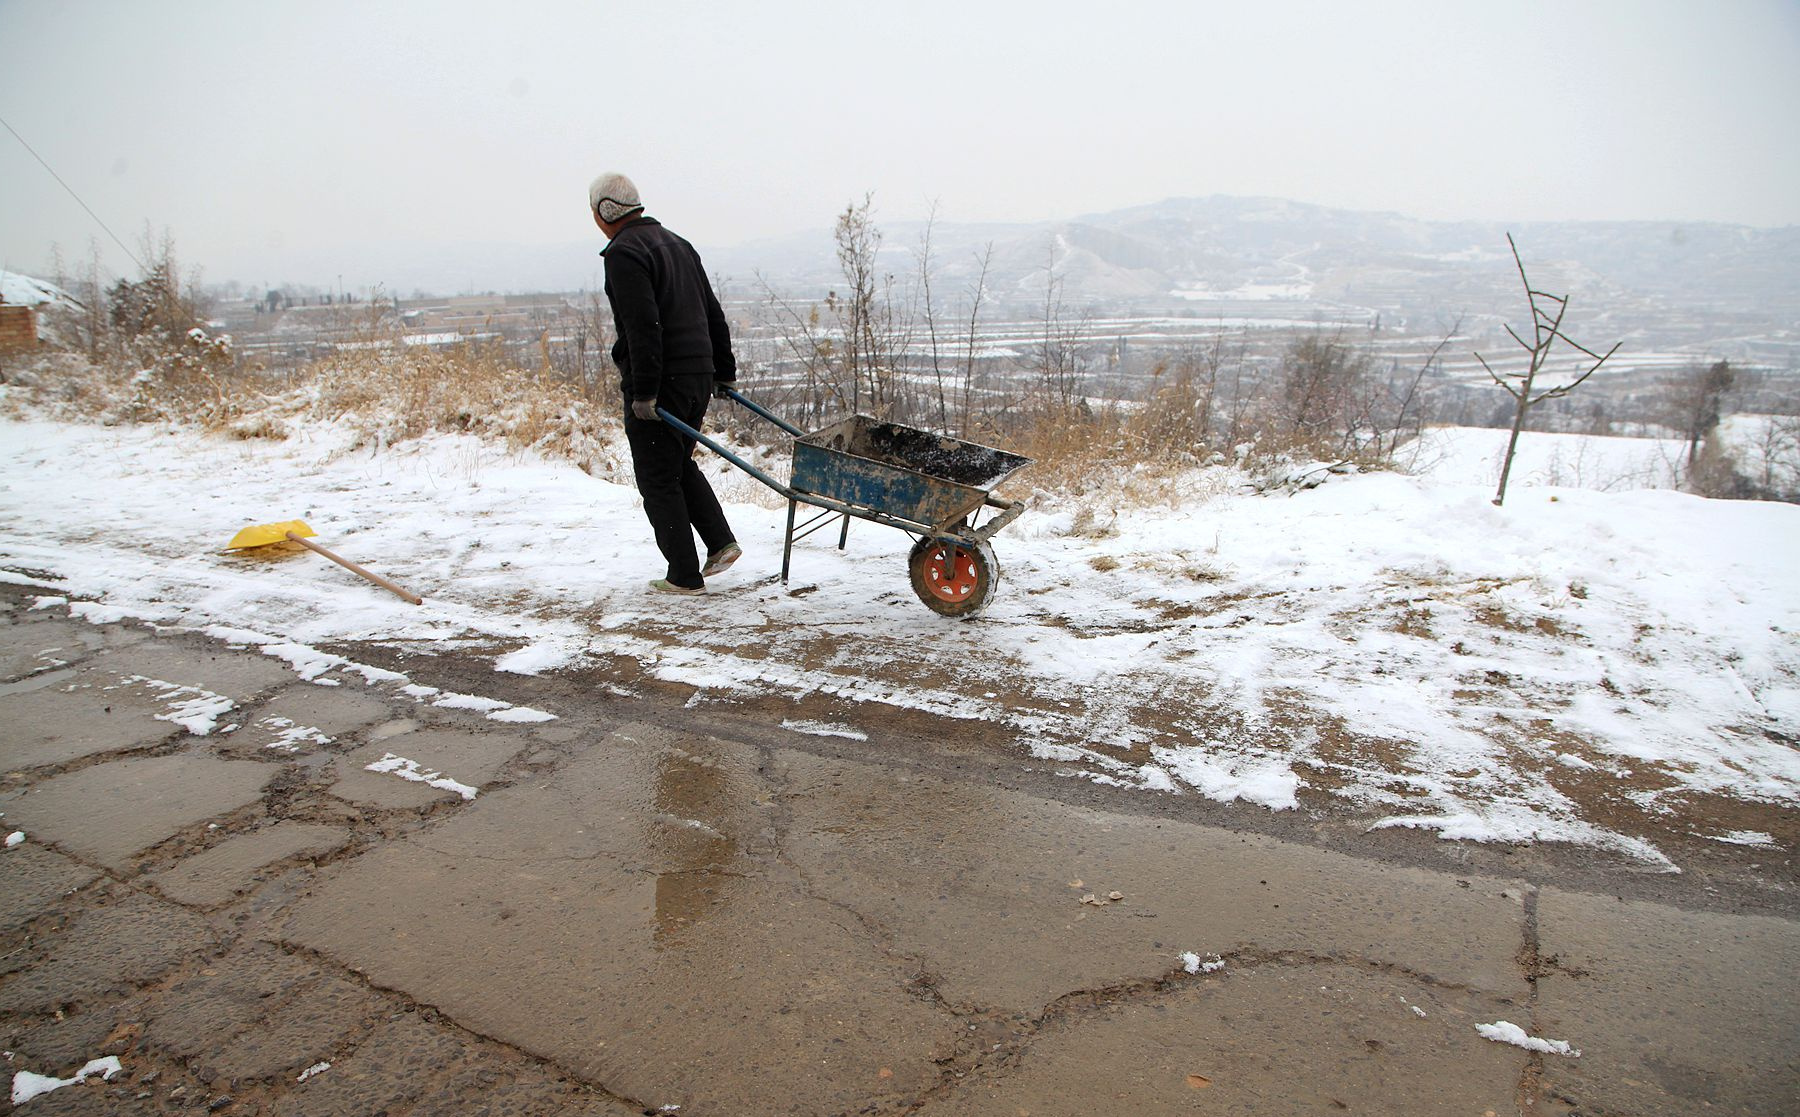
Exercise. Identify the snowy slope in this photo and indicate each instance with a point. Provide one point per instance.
(1395, 643)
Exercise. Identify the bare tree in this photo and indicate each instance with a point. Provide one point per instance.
(1405, 412)
(810, 346)
(1698, 399)
(1547, 313)
(1057, 363)
(922, 253)
(977, 295)
(872, 325)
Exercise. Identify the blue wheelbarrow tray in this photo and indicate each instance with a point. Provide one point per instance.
(928, 479)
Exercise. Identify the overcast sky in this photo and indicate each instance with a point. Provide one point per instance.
(325, 139)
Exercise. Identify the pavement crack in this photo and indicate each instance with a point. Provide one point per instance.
(443, 1018)
(1532, 966)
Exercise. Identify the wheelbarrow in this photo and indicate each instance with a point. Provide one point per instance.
(930, 486)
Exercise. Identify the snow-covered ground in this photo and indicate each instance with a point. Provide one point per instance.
(1474, 455)
(1398, 643)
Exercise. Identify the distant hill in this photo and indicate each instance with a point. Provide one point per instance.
(1198, 252)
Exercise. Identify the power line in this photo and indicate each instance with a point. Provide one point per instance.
(59, 181)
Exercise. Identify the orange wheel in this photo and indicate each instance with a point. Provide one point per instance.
(954, 579)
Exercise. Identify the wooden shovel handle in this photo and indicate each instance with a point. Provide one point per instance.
(410, 598)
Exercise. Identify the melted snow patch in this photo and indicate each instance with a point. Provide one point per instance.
(195, 710)
(535, 659)
(289, 735)
(409, 770)
(1754, 838)
(1502, 1031)
(26, 1085)
(453, 701)
(521, 714)
(1264, 780)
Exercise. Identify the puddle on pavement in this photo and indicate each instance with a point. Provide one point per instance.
(37, 682)
(393, 728)
(692, 800)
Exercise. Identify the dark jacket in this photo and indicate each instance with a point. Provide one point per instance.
(668, 319)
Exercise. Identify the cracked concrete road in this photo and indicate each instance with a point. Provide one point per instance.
(639, 908)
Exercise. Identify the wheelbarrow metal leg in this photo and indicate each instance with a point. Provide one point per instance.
(844, 533)
(787, 545)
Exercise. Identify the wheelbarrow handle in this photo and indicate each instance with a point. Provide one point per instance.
(715, 447)
(1011, 510)
(759, 409)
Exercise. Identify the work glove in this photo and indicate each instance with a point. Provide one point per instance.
(722, 389)
(645, 409)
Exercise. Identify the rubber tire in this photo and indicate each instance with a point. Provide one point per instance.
(987, 578)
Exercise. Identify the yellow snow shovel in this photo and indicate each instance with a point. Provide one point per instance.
(261, 535)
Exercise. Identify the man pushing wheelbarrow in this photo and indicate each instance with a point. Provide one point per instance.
(673, 346)
(674, 352)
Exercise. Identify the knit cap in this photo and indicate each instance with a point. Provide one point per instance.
(614, 197)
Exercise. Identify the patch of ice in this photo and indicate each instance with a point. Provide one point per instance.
(1502, 1031)
(48, 602)
(16, 838)
(824, 729)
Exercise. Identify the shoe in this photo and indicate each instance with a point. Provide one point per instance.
(720, 560)
(663, 585)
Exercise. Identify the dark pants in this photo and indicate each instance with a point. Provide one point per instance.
(677, 499)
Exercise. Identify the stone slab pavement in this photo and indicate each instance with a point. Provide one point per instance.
(264, 895)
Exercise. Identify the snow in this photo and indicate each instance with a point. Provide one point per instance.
(26, 1085)
(290, 735)
(195, 710)
(1753, 838)
(1193, 963)
(824, 729)
(1502, 1031)
(410, 770)
(315, 1069)
(521, 715)
(1398, 643)
(16, 838)
(1576, 461)
(23, 290)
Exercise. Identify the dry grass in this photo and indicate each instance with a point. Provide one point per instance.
(1094, 463)
(384, 395)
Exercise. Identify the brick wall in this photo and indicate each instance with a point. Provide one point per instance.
(18, 327)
